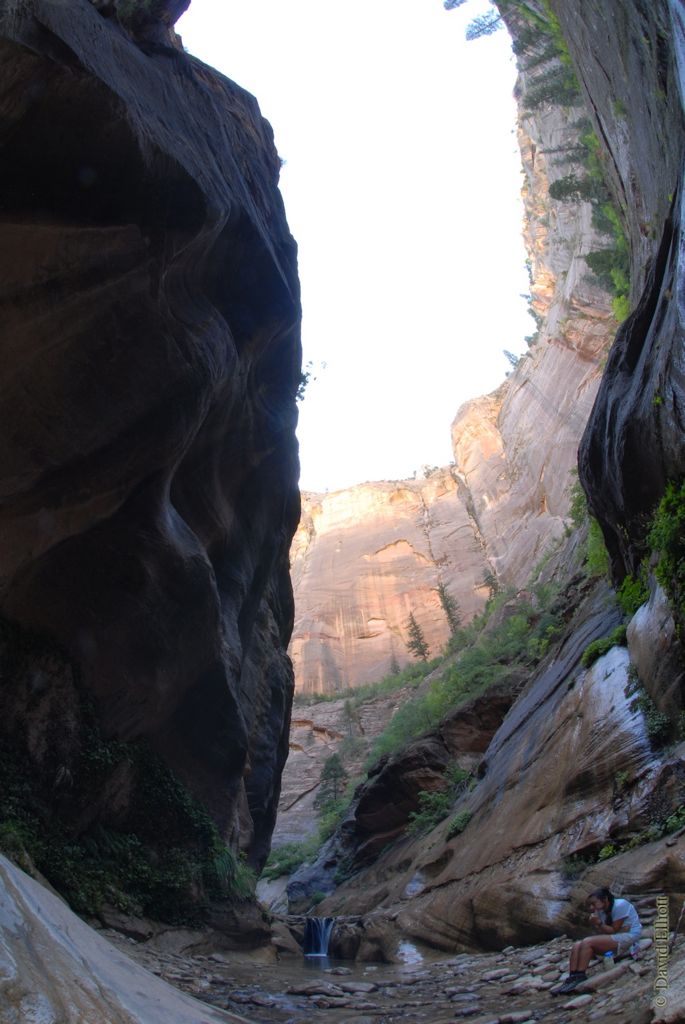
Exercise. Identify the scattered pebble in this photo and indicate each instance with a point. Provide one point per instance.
(500, 972)
(577, 1002)
(359, 986)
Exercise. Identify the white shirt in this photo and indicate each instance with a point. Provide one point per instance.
(624, 911)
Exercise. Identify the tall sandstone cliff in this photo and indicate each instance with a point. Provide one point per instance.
(366, 557)
(150, 351)
(580, 777)
(363, 559)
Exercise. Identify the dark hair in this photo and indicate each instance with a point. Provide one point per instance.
(604, 894)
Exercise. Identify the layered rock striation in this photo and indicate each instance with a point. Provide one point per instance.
(150, 360)
(564, 770)
(363, 560)
(516, 449)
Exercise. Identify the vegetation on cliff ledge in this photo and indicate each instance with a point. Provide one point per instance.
(667, 538)
(514, 632)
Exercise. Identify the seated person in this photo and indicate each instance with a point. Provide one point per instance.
(618, 928)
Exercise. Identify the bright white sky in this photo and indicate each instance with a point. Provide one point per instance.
(401, 185)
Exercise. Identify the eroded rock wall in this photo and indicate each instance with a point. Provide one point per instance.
(630, 60)
(150, 358)
(569, 770)
(516, 449)
(363, 559)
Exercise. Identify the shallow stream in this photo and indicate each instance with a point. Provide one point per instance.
(509, 987)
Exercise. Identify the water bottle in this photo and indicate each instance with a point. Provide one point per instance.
(608, 961)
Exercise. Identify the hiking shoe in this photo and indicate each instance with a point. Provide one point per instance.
(571, 982)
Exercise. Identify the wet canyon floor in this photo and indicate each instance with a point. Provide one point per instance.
(509, 987)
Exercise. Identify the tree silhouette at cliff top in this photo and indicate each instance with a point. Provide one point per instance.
(482, 25)
(416, 643)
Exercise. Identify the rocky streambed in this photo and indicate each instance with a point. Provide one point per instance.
(514, 986)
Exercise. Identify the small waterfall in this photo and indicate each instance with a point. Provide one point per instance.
(317, 934)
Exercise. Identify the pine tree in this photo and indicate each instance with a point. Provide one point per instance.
(484, 25)
(491, 582)
(416, 644)
(450, 606)
(331, 782)
(349, 717)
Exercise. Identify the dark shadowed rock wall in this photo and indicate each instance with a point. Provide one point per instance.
(150, 353)
(630, 61)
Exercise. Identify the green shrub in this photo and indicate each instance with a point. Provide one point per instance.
(571, 188)
(557, 86)
(601, 262)
(658, 724)
(410, 676)
(577, 511)
(411, 719)
(598, 648)
(458, 823)
(597, 560)
(286, 859)
(607, 851)
(433, 807)
(654, 831)
(457, 778)
(667, 537)
(229, 873)
(676, 820)
(486, 657)
(610, 265)
(165, 859)
(620, 307)
(633, 593)
(332, 813)
(647, 835)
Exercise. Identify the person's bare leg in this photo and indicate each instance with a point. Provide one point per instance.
(581, 954)
(575, 952)
(595, 945)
